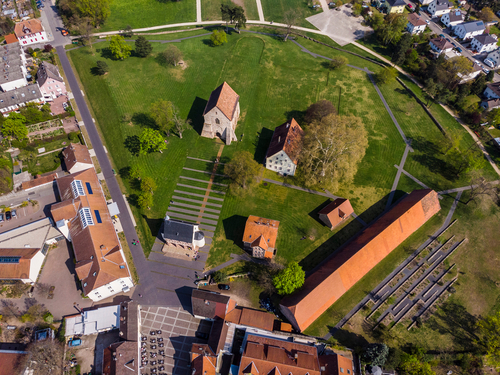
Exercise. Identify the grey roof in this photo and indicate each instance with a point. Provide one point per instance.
(490, 104)
(10, 63)
(20, 96)
(178, 230)
(47, 70)
(495, 87)
(204, 302)
(441, 43)
(456, 15)
(443, 4)
(128, 321)
(473, 26)
(486, 39)
(395, 3)
(93, 321)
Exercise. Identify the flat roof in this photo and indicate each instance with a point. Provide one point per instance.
(93, 321)
(31, 235)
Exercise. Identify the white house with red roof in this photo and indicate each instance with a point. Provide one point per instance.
(30, 32)
(283, 153)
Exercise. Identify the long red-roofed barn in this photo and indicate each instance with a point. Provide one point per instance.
(322, 288)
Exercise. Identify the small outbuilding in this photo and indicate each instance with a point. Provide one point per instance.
(336, 212)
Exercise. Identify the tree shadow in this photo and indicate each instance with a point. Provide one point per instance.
(133, 199)
(94, 71)
(315, 213)
(349, 339)
(125, 172)
(234, 227)
(144, 119)
(133, 144)
(426, 156)
(262, 144)
(404, 92)
(107, 54)
(196, 114)
(299, 116)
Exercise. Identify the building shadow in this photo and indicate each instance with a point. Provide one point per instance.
(348, 339)
(196, 114)
(234, 227)
(315, 213)
(262, 144)
(154, 225)
(182, 346)
(70, 264)
(184, 295)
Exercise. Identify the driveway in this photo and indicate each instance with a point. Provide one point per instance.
(341, 25)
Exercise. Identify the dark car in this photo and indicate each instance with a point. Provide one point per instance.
(202, 335)
(459, 49)
(8, 215)
(223, 287)
(441, 35)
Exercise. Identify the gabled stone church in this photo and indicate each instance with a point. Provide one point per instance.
(221, 114)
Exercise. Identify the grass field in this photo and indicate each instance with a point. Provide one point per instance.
(275, 9)
(147, 13)
(45, 163)
(210, 9)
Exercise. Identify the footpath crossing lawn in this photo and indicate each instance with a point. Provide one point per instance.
(275, 9)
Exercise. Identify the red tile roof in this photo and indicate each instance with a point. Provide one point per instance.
(415, 20)
(11, 38)
(258, 229)
(20, 270)
(287, 137)
(203, 360)
(251, 318)
(224, 98)
(28, 27)
(336, 212)
(38, 181)
(76, 153)
(332, 279)
(336, 364)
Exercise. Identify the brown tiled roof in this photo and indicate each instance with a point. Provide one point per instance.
(333, 363)
(492, 103)
(203, 360)
(19, 270)
(11, 38)
(415, 20)
(287, 137)
(39, 181)
(262, 355)
(332, 279)
(209, 304)
(97, 243)
(10, 361)
(121, 358)
(260, 227)
(336, 212)
(28, 27)
(441, 43)
(218, 335)
(224, 98)
(76, 153)
(251, 318)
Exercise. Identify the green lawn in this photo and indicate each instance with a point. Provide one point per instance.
(45, 163)
(210, 9)
(275, 9)
(147, 13)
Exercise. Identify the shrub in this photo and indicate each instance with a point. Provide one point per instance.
(48, 317)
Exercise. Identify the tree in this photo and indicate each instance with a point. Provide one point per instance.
(470, 103)
(332, 149)
(119, 48)
(479, 85)
(143, 47)
(232, 13)
(226, 12)
(480, 187)
(97, 10)
(318, 110)
(458, 65)
(289, 279)
(44, 357)
(135, 172)
(102, 68)
(338, 62)
(413, 365)
(13, 127)
(290, 18)
(391, 30)
(148, 185)
(127, 32)
(486, 14)
(376, 354)
(400, 50)
(179, 123)
(239, 18)
(431, 89)
(48, 317)
(386, 75)
(490, 75)
(85, 28)
(172, 55)
(489, 333)
(356, 9)
(145, 200)
(218, 37)
(417, 9)
(219, 276)
(493, 116)
(242, 169)
(162, 111)
(48, 48)
(151, 140)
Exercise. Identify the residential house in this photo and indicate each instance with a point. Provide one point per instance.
(493, 59)
(476, 70)
(416, 24)
(39, 181)
(260, 237)
(83, 218)
(210, 305)
(283, 153)
(484, 43)
(121, 358)
(425, 2)
(77, 158)
(13, 100)
(440, 45)
(339, 273)
(21, 264)
(11, 39)
(395, 6)
(177, 233)
(492, 91)
(221, 114)
(50, 81)
(336, 212)
(469, 29)
(490, 104)
(13, 64)
(89, 322)
(30, 32)
(439, 7)
(452, 18)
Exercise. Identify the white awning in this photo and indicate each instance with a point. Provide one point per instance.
(113, 209)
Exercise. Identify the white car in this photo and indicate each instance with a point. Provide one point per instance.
(427, 22)
(486, 71)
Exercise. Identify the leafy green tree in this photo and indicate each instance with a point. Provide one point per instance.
(172, 55)
(486, 14)
(145, 200)
(148, 184)
(219, 276)
(392, 29)
(48, 317)
(489, 333)
(377, 20)
(356, 9)
(119, 48)
(431, 89)
(162, 111)
(470, 103)
(218, 37)
(338, 62)
(417, 8)
(400, 50)
(102, 68)
(289, 279)
(232, 13)
(135, 172)
(376, 354)
(479, 85)
(127, 32)
(239, 18)
(386, 75)
(413, 364)
(13, 127)
(490, 75)
(143, 47)
(493, 116)
(242, 169)
(97, 10)
(151, 140)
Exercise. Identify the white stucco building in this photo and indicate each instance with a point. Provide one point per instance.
(439, 7)
(440, 45)
(484, 43)
(493, 59)
(30, 32)
(469, 29)
(13, 63)
(452, 18)
(416, 24)
(77, 158)
(492, 91)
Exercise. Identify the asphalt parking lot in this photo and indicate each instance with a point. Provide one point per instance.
(178, 328)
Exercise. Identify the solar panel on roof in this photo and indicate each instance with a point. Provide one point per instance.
(97, 216)
(89, 188)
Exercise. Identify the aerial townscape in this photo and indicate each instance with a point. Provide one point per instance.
(249, 187)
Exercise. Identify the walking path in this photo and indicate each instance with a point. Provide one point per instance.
(50, 152)
(398, 176)
(259, 9)
(198, 10)
(415, 179)
(462, 189)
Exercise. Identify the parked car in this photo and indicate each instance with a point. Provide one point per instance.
(64, 32)
(8, 215)
(441, 35)
(489, 62)
(223, 287)
(427, 22)
(459, 49)
(14, 213)
(1, 218)
(201, 335)
(453, 44)
(410, 7)
(486, 71)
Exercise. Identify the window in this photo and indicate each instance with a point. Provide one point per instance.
(217, 121)
(84, 285)
(9, 259)
(97, 216)
(89, 188)
(341, 369)
(77, 187)
(110, 287)
(348, 371)
(86, 217)
(95, 273)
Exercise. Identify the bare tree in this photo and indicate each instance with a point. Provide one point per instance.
(480, 187)
(44, 358)
(180, 124)
(85, 28)
(291, 18)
